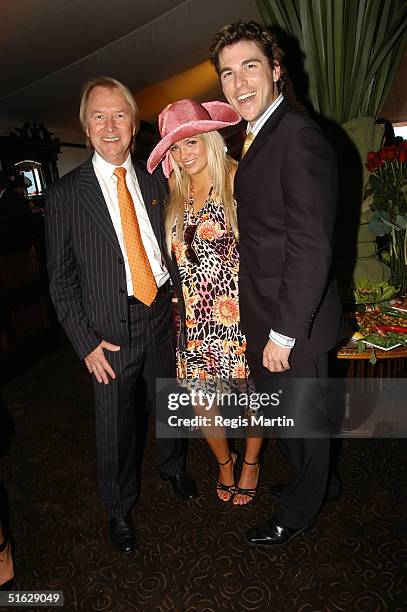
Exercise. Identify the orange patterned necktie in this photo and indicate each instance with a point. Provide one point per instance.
(144, 285)
(248, 141)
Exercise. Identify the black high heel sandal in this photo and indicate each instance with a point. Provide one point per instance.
(249, 492)
(220, 486)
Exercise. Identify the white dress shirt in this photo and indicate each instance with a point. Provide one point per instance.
(280, 339)
(258, 124)
(108, 184)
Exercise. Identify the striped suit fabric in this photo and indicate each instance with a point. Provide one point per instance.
(88, 289)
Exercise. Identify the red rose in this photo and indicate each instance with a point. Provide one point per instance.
(383, 154)
(391, 153)
(373, 161)
(403, 145)
(402, 155)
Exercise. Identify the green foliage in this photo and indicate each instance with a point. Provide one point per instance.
(388, 182)
(388, 196)
(352, 49)
(367, 291)
(373, 358)
(361, 346)
(390, 339)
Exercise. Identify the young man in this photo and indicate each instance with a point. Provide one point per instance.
(109, 282)
(286, 190)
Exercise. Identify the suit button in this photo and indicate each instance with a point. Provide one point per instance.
(122, 320)
(121, 291)
(121, 261)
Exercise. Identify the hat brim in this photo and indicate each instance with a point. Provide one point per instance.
(229, 117)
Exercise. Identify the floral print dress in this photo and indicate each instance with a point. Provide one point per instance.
(208, 263)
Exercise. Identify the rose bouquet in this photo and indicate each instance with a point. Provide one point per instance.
(388, 186)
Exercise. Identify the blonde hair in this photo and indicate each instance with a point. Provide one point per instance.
(110, 83)
(221, 167)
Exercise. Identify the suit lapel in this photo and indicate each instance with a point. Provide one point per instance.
(92, 198)
(263, 135)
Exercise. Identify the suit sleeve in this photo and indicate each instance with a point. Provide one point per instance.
(65, 288)
(309, 182)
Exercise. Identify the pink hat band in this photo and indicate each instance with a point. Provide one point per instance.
(186, 118)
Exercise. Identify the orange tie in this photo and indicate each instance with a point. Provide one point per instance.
(248, 141)
(144, 285)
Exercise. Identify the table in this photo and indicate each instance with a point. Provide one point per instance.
(365, 382)
(390, 364)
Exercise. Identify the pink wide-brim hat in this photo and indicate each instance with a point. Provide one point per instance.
(186, 118)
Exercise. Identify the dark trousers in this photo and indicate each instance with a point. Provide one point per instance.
(309, 457)
(151, 355)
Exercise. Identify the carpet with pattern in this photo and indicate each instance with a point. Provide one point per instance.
(192, 556)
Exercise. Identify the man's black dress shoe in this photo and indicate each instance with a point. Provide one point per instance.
(121, 534)
(277, 492)
(183, 485)
(272, 534)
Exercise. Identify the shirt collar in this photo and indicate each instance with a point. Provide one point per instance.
(257, 125)
(106, 169)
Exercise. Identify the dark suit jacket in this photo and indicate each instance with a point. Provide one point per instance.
(286, 192)
(85, 262)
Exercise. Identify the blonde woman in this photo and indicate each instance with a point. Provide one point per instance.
(201, 230)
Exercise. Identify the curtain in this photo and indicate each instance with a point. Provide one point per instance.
(352, 50)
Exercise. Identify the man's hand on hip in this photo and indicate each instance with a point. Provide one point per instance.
(97, 363)
(275, 357)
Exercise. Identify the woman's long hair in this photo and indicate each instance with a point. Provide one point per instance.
(220, 167)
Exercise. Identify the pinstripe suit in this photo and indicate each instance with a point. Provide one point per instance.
(88, 288)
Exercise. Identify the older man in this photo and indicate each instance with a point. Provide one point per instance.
(111, 289)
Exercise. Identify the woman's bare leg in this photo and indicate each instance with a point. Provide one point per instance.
(250, 473)
(216, 439)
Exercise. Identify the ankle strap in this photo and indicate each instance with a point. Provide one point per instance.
(226, 462)
(255, 463)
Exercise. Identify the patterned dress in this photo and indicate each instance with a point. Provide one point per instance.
(215, 343)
